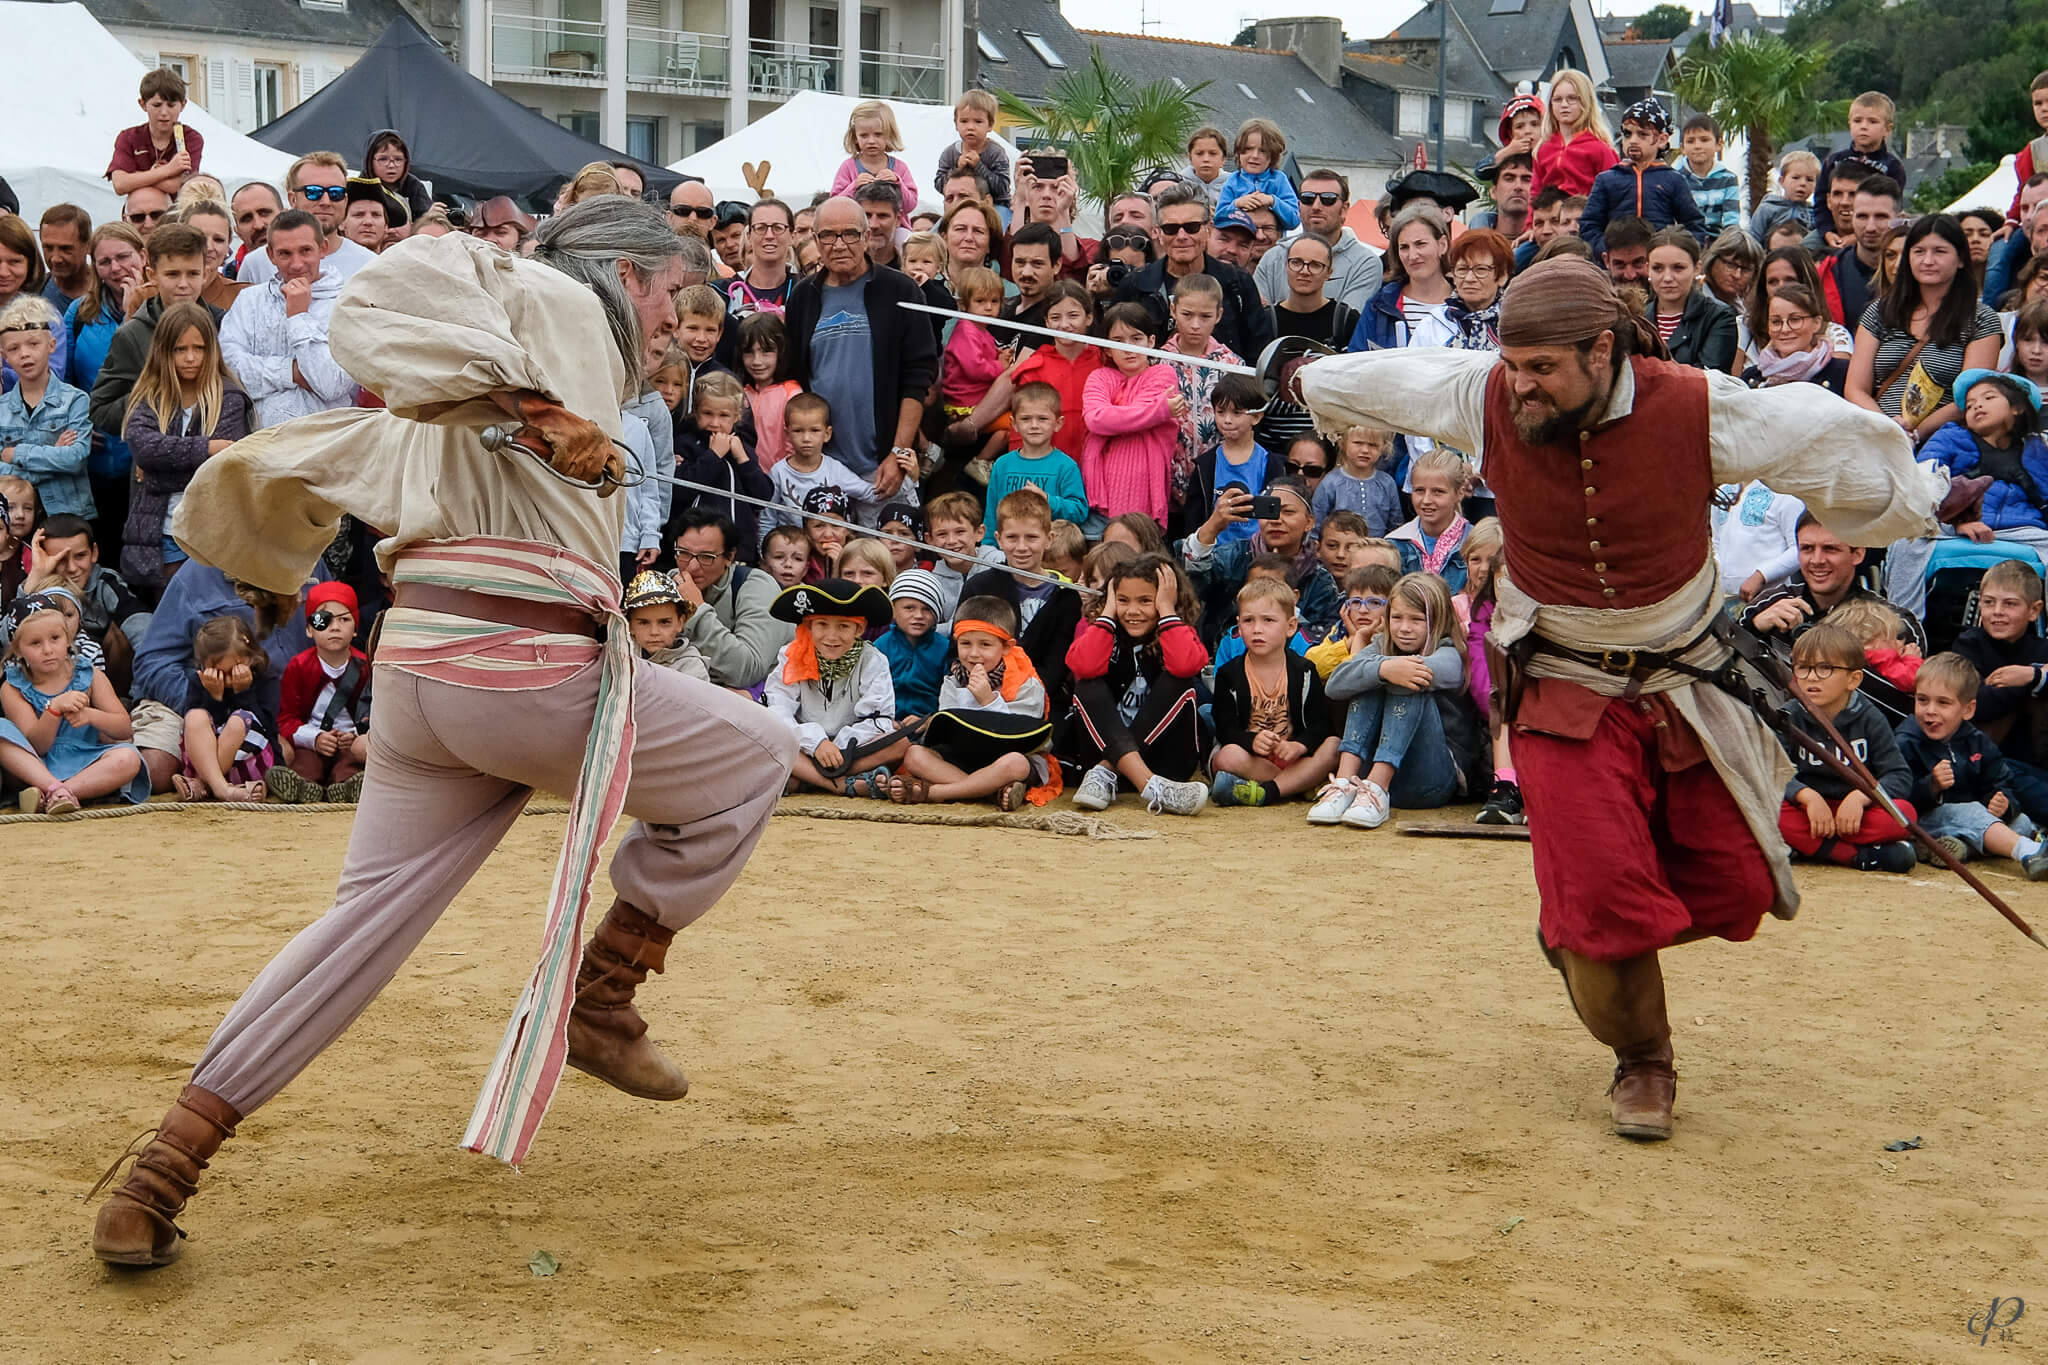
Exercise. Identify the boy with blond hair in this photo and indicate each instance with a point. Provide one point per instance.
(1870, 130)
(1047, 614)
(1798, 173)
(2010, 654)
(1960, 784)
(1273, 735)
(953, 522)
(974, 118)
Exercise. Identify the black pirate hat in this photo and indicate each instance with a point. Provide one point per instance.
(833, 597)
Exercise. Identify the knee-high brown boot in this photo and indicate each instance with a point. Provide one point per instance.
(1622, 1004)
(607, 1036)
(135, 1225)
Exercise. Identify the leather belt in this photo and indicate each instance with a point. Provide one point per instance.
(483, 606)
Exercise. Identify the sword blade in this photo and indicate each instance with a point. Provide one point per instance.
(1104, 343)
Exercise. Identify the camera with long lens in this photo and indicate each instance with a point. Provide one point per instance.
(1117, 273)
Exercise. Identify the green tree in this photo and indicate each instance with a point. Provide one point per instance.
(1112, 127)
(1760, 84)
(1662, 22)
(1937, 192)
(1248, 36)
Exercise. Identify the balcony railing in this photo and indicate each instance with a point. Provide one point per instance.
(537, 48)
(782, 69)
(678, 62)
(902, 76)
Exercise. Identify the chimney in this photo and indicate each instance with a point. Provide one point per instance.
(1317, 40)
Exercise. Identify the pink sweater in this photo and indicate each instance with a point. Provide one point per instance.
(1129, 451)
(972, 364)
(771, 442)
(851, 170)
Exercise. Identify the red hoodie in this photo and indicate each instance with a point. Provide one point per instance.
(1572, 166)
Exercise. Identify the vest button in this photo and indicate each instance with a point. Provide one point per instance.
(1592, 521)
(1600, 568)
(1585, 436)
(1591, 491)
(1585, 464)
(1607, 592)
(1593, 545)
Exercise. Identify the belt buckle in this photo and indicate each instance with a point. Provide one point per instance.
(1618, 661)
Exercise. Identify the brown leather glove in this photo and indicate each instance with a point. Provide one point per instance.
(581, 449)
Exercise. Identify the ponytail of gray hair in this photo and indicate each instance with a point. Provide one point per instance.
(586, 242)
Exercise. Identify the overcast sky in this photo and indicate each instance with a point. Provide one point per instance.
(1217, 21)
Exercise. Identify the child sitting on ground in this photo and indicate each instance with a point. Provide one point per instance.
(955, 522)
(916, 648)
(1096, 568)
(1135, 712)
(1341, 540)
(716, 453)
(1273, 738)
(1065, 550)
(1048, 611)
(2009, 652)
(1359, 485)
(905, 519)
(785, 553)
(1273, 568)
(1393, 721)
(1035, 463)
(828, 539)
(1959, 777)
(1823, 816)
(865, 563)
(990, 733)
(231, 706)
(1361, 615)
(324, 705)
(63, 731)
(1433, 541)
(832, 689)
(656, 612)
(1483, 550)
(1879, 630)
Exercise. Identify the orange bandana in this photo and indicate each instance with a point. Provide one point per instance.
(1016, 664)
(801, 663)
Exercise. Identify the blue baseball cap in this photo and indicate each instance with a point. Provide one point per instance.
(1970, 379)
(1241, 221)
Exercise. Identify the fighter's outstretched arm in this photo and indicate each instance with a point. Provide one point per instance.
(1429, 392)
(1854, 469)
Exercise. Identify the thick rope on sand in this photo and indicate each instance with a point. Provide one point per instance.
(1044, 821)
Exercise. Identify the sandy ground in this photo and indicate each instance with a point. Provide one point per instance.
(1242, 1092)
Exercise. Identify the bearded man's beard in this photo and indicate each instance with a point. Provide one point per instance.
(1539, 423)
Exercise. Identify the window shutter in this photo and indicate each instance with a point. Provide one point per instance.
(217, 89)
(243, 75)
(647, 13)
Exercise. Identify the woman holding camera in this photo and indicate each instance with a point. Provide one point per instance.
(1123, 250)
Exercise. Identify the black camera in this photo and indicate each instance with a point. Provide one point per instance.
(1118, 272)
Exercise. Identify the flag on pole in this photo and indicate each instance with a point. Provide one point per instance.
(1723, 22)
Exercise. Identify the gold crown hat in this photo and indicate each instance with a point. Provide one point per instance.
(651, 589)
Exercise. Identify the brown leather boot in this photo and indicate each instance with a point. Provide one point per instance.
(1645, 1085)
(1622, 1004)
(607, 1036)
(135, 1226)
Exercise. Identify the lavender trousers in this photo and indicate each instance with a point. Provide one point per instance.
(450, 769)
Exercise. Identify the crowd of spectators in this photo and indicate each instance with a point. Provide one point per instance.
(1143, 573)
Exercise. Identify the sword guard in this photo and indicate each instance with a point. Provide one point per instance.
(501, 439)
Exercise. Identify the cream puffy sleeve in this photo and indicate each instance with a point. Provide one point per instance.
(1853, 468)
(432, 327)
(1428, 391)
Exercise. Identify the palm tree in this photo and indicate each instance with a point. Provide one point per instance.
(1757, 83)
(1112, 127)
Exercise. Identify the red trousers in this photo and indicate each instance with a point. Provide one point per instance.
(1631, 856)
(1877, 828)
(331, 769)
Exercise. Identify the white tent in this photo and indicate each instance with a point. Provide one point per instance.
(1994, 191)
(70, 88)
(804, 142)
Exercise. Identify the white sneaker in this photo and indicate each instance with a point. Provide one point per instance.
(1333, 800)
(1097, 789)
(1371, 809)
(1175, 798)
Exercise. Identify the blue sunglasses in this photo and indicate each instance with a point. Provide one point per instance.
(315, 193)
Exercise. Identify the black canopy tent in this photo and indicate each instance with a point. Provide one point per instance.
(466, 138)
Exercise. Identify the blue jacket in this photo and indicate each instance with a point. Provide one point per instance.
(1286, 203)
(89, 346)
(1656, 194)
(2006, 505)
(196, 594)
(58, 472)
(1978, 766)
(1375, 330)
(915, 666)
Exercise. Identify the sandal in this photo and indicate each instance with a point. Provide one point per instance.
(190, 788)
(1013, 797)
(909, 791)
(872, 785)
(247, 793)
